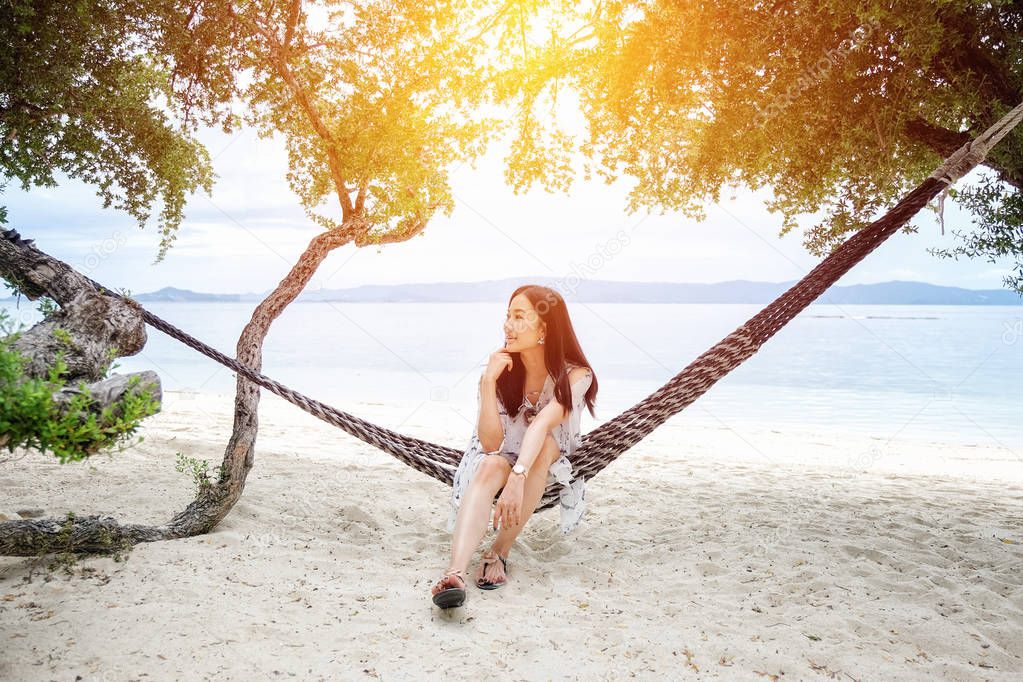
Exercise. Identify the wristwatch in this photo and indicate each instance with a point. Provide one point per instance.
(519, 469)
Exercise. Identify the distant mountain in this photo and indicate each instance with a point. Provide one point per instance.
(918, 293)
(587, 291)
(173, 294)
(605, 291)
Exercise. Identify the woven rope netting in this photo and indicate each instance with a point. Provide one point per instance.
(607, 442)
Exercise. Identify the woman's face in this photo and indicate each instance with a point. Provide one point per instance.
(523, 327)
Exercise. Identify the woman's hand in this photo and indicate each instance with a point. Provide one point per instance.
(509, 503)
(500, 361)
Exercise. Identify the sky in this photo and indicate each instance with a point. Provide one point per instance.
(252, 229)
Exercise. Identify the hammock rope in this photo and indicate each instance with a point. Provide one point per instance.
(607, 442)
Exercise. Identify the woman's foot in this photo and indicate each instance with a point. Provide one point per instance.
(492, 573)
(449, 591)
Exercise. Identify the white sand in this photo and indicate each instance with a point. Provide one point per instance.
(707, 553)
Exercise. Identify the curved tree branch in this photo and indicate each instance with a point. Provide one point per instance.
(28, 537)
(278, 59)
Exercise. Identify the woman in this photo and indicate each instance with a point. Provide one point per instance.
(530, 397)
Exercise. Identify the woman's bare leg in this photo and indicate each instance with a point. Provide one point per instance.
(532, 491)
(475, 508)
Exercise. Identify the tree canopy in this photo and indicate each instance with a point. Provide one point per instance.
(374, 101)
(836, 106)
(77, 84)
(375, 105)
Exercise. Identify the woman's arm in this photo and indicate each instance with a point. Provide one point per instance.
(551, 416)
(489, 429)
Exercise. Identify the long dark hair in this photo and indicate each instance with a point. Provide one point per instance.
(560, 346)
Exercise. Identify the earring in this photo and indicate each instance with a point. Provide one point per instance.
(540, 341)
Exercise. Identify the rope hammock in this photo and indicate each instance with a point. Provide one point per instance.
(604, 444)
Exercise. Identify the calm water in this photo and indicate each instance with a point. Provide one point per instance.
(946, 372)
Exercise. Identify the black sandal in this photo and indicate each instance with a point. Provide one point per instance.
(452, 596)
(489, 557)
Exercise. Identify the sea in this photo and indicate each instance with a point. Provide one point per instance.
(949, 373)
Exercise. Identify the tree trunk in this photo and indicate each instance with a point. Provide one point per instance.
(944, 142)
(38, 274)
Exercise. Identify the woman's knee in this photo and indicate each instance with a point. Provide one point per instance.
(493, 470)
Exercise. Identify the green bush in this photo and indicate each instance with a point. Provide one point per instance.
(30, 418)
(199, 468)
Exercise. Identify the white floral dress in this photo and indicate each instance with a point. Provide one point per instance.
(573, 490)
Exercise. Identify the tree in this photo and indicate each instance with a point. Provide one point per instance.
(374, 108)
(77, 85)
(839, 106)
